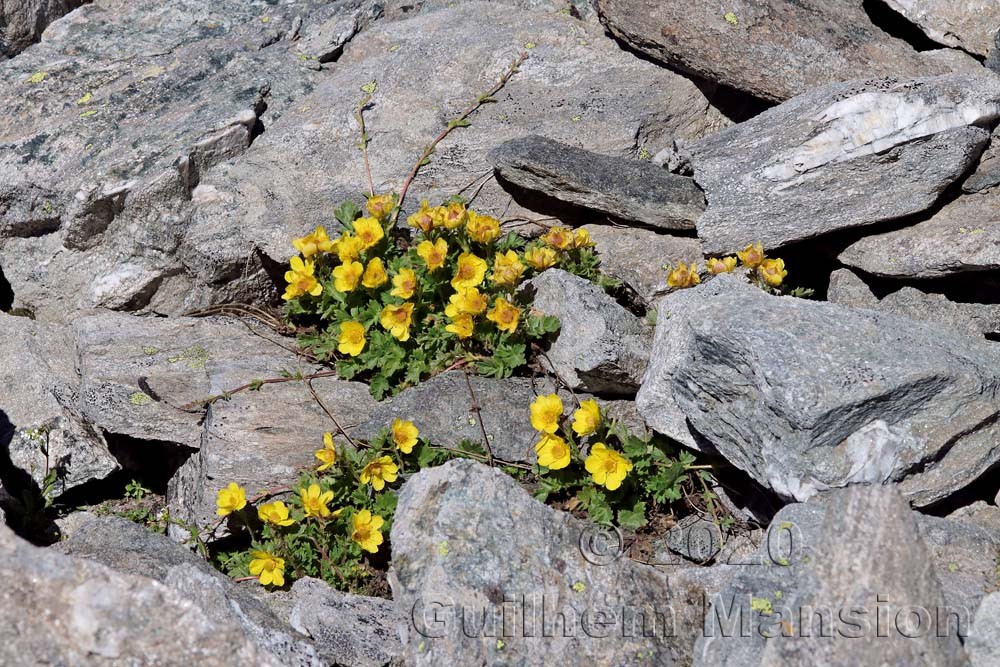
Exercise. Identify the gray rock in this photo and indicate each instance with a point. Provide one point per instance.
(133, 550)
(22, 22)
(638, 257)
(964, 553)
(962, 236)
(970, 25)
(108, 618)
(846, 155)
(695, 538)
(841, 584)
(601, 347)
(847, 289)
(330, 27)
(470, 546)
(441, 409)
(983, 644)
(111, 121)
(768, 48)
(987, 173)
(307, 162)
(347, 629)
(633, 191)
(41, 426)
(806, 395)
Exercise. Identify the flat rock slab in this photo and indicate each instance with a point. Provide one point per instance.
(428, 68)
(805, 396)
(634, 191)
(848, 289)
(640, 257)
(109, 124)
(469, 543)
(962, 236)
(824, 563)
(970, 25)
(772, 49)
(846, 155)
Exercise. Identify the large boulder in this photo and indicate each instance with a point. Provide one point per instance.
(600, 347)
(772, 49)
(489, 575)
(86, 613)
(806, 396)
(110, 122)
(845, 155)
(827, 594)
(634, 191)
(963, 236)
(970, 25)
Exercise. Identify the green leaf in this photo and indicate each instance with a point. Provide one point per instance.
(596, 504)
(346, 213)
(458, 122)
(634, 518)
(369, 87)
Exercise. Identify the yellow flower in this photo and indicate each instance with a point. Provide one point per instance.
(374, 275)
(404, 283)
(301, 280)
(327, 455)
(230, 499)
(546, 412)
(451, 216)
(715, 265)
(268, 568)
(380, 206)
(347, 276)
(606, 466)
(468, 302)
(366, 530)
(540, 258)
(352, 338)
(369, 231)
(504, 314)
(581, 239)
(378, 472)
(433, 254)
(397, 320)
(348, 247)
(422, 219)
(552, 451)
(461, 325)
(313, 242)
(752, 255)
(482, 228)
(560, 238)
(404, 434)
(683, 276)
(507, 268)
(772, 271)
(314, 501)
(587, 418)
(470, 272)
(275, 513)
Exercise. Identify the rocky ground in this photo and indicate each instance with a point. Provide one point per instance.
(157, 158)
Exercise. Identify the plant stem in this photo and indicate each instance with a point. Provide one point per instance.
(360, 115)
(452, 124)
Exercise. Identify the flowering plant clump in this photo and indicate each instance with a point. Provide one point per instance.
(600, 466)
(334, 522)
(393, 306)
(767, 273)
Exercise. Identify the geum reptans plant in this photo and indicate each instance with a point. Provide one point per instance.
(393, 306)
